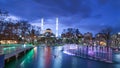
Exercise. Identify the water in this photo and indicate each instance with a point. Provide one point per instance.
(53, 57)
(98, 53)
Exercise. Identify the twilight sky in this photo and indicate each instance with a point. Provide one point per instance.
(86, 15)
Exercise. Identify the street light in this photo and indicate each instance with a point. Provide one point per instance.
(118, 33)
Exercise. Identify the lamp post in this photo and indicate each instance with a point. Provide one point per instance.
(118, 33)
(23, 39)
(20, 38)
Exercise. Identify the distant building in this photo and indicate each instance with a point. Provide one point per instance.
(88, 38)
(56, 27)
(47, 36)
(7, 39)
(100, 39)
(115, 40)
(48, 33)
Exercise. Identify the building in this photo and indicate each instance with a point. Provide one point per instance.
(87, 40)
(115, 40)
(56, 27)
(48, 33)
(8, 39)
(100, 39)
(47, 37)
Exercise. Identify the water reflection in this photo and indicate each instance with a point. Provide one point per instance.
(47, 57)
(44, 57)
(57, 60)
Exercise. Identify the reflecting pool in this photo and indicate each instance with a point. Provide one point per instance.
(53, 57)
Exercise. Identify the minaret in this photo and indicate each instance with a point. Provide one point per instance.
(42, 21)
(56, 27)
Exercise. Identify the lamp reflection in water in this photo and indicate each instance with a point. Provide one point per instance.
(47, 57)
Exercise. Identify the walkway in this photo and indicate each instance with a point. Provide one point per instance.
(14, 50)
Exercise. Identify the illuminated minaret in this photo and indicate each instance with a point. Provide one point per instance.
(42, 21)
(56, 27)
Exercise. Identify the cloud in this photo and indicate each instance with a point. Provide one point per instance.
(32, 9)
(88, 15)
(66, 7)
(12, 17)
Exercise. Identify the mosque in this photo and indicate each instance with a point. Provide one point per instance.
(48, 32)
(47, 35)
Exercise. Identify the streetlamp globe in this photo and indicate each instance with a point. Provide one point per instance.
(118, 33)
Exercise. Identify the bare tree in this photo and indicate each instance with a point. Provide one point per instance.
(107, 31)
(3, 14)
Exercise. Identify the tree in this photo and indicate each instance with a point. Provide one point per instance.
(72, 35)
(3, 14)
(107, 31)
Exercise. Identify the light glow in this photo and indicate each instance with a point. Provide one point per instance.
(66, 52)
(119, 33)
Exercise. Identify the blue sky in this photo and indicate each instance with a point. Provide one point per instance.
(87, 15)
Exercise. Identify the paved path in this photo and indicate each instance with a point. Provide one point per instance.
(16, 52)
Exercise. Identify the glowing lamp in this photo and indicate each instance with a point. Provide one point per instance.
(119, 33)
